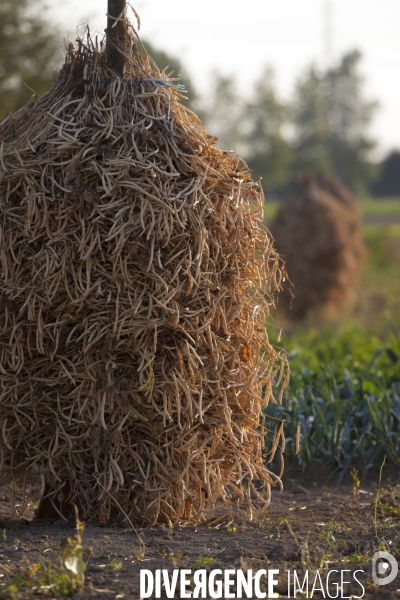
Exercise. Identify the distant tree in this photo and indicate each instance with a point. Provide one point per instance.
(267, 151)
(162, 60)
(331, 118)
(223, 113)
(252, 127)
(30, 50)
(388, 183)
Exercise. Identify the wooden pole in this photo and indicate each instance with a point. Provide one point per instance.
(116, 35)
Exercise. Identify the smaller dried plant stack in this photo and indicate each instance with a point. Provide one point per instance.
(317, 231)
(135, 289)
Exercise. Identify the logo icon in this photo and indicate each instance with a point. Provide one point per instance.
(384, 563)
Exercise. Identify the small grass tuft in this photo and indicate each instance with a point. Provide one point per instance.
(114, 565)
(46, 579)
(203, 561)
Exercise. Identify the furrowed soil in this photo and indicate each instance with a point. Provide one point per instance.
(312, 525)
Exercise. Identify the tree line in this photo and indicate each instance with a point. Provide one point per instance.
(322, 129)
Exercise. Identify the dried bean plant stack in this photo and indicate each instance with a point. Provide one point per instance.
(137, 279)
(317, 231)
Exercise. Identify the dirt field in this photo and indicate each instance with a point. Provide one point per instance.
(306, 528)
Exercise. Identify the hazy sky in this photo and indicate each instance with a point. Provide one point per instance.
(240, 37)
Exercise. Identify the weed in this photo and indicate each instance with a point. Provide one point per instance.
(389, 503)
(48, 579)
(333, 526)
(73, 552)
(39, 579)
(142, 551)
(377, 498)
(260, 518)
(324, 559)
(356, 558)
(325, 534)
(305, 556)
(382, 546)
(356, 483)
(203, 561)
(102, 542)
(4, 535)
(392, 510)
(281, 520)
(114, 565)
(174, 558)
(290, 529)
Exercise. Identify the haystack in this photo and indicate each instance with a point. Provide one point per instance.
(135, 291)
(317, 231)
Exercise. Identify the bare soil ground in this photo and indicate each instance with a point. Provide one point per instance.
(308, 526)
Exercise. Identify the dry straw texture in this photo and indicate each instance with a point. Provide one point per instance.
(317, 231)
(135, 290)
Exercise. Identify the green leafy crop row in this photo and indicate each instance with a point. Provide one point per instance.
(345, 394)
